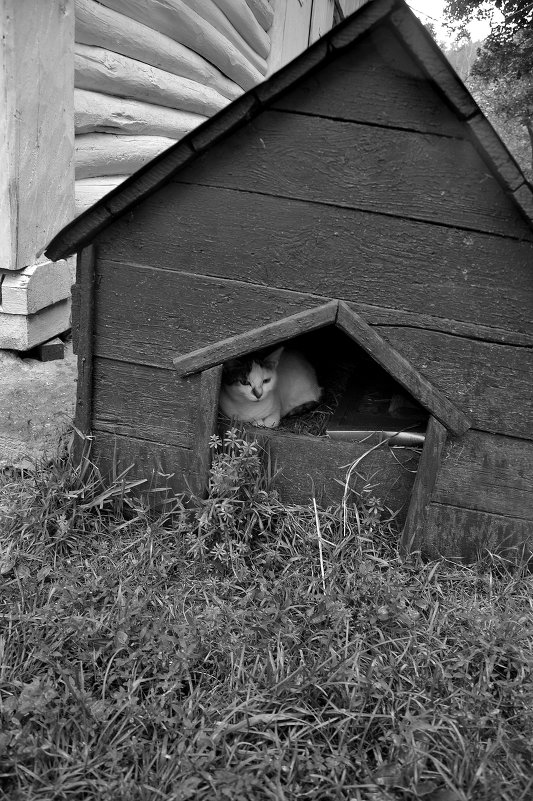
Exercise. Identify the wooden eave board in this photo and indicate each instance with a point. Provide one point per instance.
(419, 43)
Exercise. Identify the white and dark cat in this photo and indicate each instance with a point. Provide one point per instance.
(263, 389)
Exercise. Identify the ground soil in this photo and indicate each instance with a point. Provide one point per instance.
(36, 406)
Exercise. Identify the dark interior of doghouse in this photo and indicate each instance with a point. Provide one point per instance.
(359, 396)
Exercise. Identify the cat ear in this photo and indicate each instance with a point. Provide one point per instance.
(273, 358)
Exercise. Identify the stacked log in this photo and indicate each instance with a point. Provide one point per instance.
(149, 71)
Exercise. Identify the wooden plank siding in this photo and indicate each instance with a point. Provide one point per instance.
(147, 316)
(379, 83)
(439, 274)
(317, 467)
(371, 168)
(469, 534)
(487, 473)
(144, 402)
(160, 464)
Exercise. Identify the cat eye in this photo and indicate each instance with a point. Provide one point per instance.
(246, 383)
(267, 380)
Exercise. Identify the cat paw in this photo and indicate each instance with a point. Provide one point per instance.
(272, 421)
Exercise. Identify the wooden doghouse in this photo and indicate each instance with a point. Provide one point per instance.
(359, 194)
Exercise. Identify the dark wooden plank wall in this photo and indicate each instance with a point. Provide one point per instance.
(316, 467)
(391, 90)
(423, 275)
(402, 173)
(345, 194)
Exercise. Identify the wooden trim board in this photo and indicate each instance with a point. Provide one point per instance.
(83, 325)
(401, 370)
(426, 477)
(257, 338)
(206, 422)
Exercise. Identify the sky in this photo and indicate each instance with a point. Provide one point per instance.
(431, 11)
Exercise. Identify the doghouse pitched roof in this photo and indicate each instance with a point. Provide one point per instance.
(415, 38)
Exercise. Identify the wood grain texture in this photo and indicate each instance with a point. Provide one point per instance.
(401, 370)
(345, 34)
(433, 60)
(262, 11)
(452, 532)
(103, 27)
(83, 323)
(102, 113)
(100, 154)
(34, 288)
(262, 337)
(246, 24)
(148, 316)
(317, 466)
(296, 18)
(487, 473)
(493, 146)
(144, 402)
(349, 6)
(321, 20)
(400, 173)
(219, 126)
(23, 332)
(233, 25)
(489, 381)
(37, 175)
(377, 82)
(100, 70)
(205, 425)
(91, 190)
(413, 534)
(275, 86)
(8, 140)
(175, 19)
(524, 197)
(433, 271)
(159, 465)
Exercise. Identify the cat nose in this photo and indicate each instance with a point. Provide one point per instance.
(257, 393)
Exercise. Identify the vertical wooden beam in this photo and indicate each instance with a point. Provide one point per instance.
(8, 206)
(83, 327)
(426, 476)
(205, 426)
(321, 19)
(289, 34)
(349, 6)
(37, 124)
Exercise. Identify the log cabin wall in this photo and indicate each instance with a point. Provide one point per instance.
(377, 197)
(147, 72)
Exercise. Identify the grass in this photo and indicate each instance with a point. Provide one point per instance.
(243, 649)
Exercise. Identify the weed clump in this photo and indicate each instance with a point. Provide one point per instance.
(235, 647)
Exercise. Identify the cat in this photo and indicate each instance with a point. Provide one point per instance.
(261, 389)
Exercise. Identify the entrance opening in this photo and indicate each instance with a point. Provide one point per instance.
(361, 407)
(358, 395)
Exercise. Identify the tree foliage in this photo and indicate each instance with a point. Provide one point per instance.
(502, 74)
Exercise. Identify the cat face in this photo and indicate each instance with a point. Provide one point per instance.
(252, 378)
